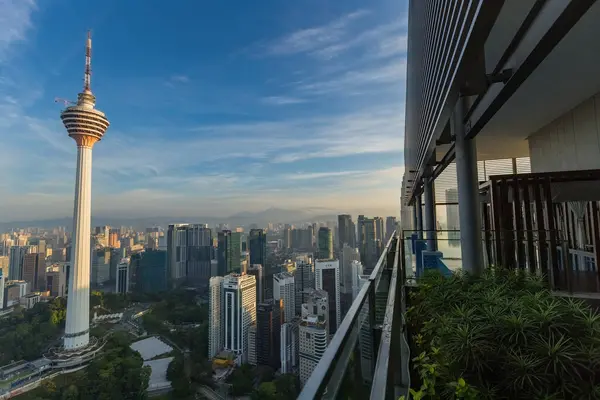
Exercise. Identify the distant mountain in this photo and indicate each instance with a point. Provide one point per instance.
(261, 218)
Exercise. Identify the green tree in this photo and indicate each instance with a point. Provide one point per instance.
(288, 386)
(70, 393)
(265, 391)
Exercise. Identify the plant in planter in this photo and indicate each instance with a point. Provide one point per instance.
(503, 336)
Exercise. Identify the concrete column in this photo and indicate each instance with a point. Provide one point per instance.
(419, 224)
(77, 325)
(415, 218)
(468, 195)
(430, 222)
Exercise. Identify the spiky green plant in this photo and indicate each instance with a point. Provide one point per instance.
(507, 336)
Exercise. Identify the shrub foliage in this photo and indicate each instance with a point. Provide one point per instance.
(502, 336)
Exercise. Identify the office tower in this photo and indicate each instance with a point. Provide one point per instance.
(327, 278)
(304, 281)
(113, 239)
(17, 254)
(287, 237)
(215, 318)
(2, 283)
(5, 264)
(357, 277)
(115, 258)
(313, 333)
(257, 271)
(325, 244)
(284, 290)
(34, 271)
(100, 271)
(268, 333)
(257, 244)
(239, 303)
(379, 229)
(56, 281)
(86, 126)
(452, 217)
(289, 346)
(199, 248)
(252, 357)
(347, 256)
(390, 227)
(122, 283)
(229, 252)
(40, 245)
(369, 246)
(346, 231)
(148, 271)
(359, 232)
(177, 252)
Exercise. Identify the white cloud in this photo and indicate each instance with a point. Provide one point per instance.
(281, 100)
(314, 38)
(15, 21)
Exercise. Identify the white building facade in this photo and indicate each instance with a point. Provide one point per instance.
(215, 318)
(284, 289)
(327, 278)
(239, 303)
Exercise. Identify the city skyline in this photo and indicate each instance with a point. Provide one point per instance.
(304, 109)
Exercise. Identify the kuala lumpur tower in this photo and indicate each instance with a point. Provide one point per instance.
(86, 126)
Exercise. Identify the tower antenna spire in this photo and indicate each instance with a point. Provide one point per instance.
(87, 78)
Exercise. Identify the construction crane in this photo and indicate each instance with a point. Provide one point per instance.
(64, 101)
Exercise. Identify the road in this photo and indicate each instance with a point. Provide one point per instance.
(209, 393)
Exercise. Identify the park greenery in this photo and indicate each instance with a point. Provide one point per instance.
(260, 384)
(501, 336)
(118, 374)
(25, 334)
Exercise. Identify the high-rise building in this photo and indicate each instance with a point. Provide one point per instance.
(4, 264)
(34, 271)
(2, 283)
(357, 277)
(177, 252)
(17, 254)
(100, 271)
(390, 227)
(304, 282)
(313, 333)
(56, 280)
(379, 229)
(325, 244)
(289, 346)
(268, 333)
(257, 271)
(148, 271)
(252, 357)
(122, 283)
(215, 318)
(199, 248)
(346, 231)
(287, 237)
(257, 245)
(347, 256)
(327, 278)
(229, 252)
(239, 303)
(369, 246)
(86, 126)
(284, 290)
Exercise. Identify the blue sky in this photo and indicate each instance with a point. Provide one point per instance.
(216, 107)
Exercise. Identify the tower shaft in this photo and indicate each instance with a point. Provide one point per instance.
(78, 305)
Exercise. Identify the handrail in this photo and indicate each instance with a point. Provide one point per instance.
(319, 379)
(381, 385)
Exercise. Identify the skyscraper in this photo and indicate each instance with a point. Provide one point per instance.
(304, 281)
(347, 231)
(148, 271)
(313, 333)
(239, 304)
(34, 271)
(215, 318)
(122, 283)
(390, 227)
(327, 278)
(268, 333)
(289, 343)
(283, 289)
(258, 271)
(252, 357)
(258, 247)
(369, 246)
(229, 252)
(325, 244)
(86, 126)
(199, 248)
(15, 262)
(347, 256)
(2, 283)
(176, 252)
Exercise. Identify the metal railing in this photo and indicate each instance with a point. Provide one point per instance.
(360, 352)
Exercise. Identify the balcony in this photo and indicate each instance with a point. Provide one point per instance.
(369, 355)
